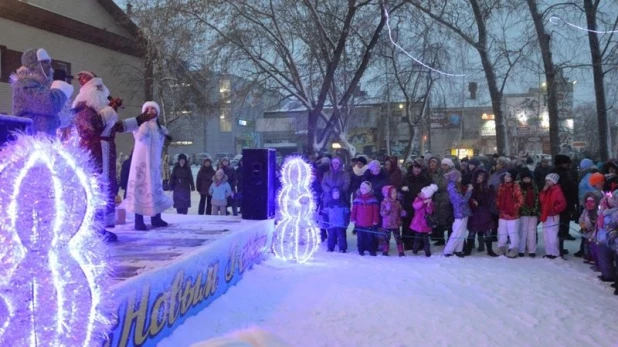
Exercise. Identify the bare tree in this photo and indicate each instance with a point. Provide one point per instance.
(301, 47)
(412, 81)
(471, 21)
(597, 53)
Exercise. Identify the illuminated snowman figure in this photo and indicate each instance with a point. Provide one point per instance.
(52, 261)
(296, 235)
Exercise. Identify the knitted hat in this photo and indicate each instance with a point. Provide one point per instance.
(447, 161)
(561, 159)
(585, 164)
(182, 156)
(418, 162)
(429, 191)
(475, 162)
(374, 164)
(596, 178)
(151, 104)
(453, 176)
(367, 184)
(362, 160)
(553, 178)
(525, 173)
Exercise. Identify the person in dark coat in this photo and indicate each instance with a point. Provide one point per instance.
(357, 173)
(541, 172)
(181, 183)
(203, 182)
(395, 176)
(416, 179)
(124, 174)
(569, 186)
(481, 222)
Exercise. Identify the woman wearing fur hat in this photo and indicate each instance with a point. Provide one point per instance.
(145, 196)
(181, 183)
(553, 203)
(366, 217)
(444, 208)
(481, 222)
(416, 179)
(423, 205)
(508, 202)
(461, 211)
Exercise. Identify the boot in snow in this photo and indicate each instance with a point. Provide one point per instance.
(468, 247)
(400, 249)
(512, 253)
(501, 250)
(427, 247)
(157, 222)
(532, 255)
(490, 251)
(459, 254)
(139, 223)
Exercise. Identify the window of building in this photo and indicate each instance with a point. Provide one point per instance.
(182, 143)
(225, 121)
(10, 61)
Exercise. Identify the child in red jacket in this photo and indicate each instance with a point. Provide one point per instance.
(365, 216)
(391, 212)
(553, 203)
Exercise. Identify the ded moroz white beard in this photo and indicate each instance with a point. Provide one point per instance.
(94, 93)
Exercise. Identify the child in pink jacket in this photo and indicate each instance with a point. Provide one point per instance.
(422, 206)
(391, 212)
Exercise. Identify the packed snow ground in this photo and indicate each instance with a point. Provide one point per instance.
(348, 300)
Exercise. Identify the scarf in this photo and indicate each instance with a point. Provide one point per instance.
(528, 190)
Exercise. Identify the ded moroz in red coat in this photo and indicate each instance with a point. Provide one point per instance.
(553, 202)
(97, 125)
(365, 210)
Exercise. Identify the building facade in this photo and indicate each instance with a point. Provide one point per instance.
(224, 124)
(93, 35)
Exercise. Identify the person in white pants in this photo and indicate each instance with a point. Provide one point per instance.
(461, 211)
(456, 240)
(553, 203)
(509, 200)
(550, 236)
(527, 232)
(529, 212)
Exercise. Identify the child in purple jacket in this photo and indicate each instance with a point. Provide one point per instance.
(422, 206)
(461, 210)
(391, 212)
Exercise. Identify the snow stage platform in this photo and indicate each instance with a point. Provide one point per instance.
(163, 276)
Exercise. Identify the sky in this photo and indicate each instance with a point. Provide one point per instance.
(569, 44)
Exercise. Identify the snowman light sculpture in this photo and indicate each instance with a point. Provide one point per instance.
(296, 235)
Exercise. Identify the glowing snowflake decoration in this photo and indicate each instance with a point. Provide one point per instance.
(52, 260)
(296, 236)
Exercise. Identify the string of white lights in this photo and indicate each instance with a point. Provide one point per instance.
(556, 20)
(390, 36)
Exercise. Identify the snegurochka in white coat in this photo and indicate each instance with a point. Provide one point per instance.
(145, 195)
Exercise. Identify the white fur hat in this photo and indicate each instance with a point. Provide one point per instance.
(447, 161)
(41, 55)
(429, 191)
(151, 104)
